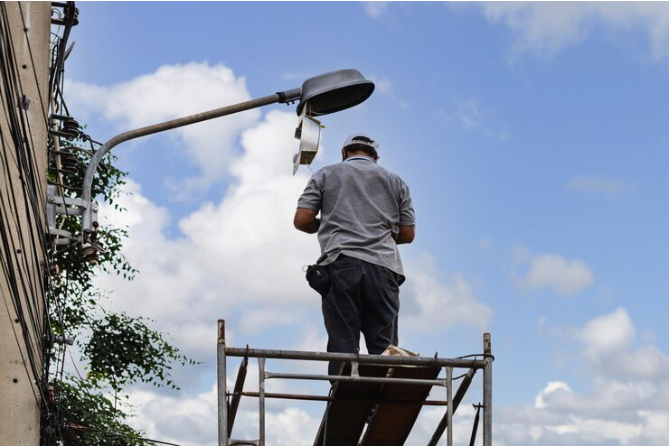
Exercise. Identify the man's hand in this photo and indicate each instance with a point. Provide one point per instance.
(305, 220)
(406, 234)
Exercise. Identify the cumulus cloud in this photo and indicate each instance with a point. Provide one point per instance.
(427, 298)
(239, 257)
(607, 334)
(565, 277)
(174, 91)
(552, 388)
(548, 27)
(625, 402)
(608, 342)
(608, 413)
(192, 419)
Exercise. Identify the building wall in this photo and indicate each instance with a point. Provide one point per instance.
(23, 174)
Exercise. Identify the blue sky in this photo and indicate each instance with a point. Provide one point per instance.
(534, 140)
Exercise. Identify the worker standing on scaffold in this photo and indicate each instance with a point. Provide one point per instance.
(366, 211)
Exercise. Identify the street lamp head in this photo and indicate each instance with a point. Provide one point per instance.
(335, 91)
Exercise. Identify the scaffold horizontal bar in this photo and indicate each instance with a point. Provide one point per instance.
(297, 396)
(364, 379)
(244, 442)
(353, 357)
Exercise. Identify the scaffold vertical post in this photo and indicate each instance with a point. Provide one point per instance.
(449, 408)
(487, 391)
(222, 387)
(261, 399)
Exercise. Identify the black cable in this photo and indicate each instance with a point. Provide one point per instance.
(13, 65)
(32, 60)
(58, 66)
(33, 197)
(21, 165)
(11, 270)
(11, 251)
(120, 435)
(26, 123)
(30, 289)
(37, 194)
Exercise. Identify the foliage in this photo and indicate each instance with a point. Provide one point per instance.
(141, 356)
(119, 349)
(87, 417)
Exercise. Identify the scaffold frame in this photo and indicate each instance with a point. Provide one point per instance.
(228, 403)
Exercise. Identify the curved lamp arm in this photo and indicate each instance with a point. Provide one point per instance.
(325, 94)
(87, 223)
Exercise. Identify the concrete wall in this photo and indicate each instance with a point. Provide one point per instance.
(29, 23)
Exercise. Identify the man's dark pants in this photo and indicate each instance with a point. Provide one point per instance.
(362, 297)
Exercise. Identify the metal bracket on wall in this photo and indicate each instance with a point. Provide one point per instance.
(59, 205)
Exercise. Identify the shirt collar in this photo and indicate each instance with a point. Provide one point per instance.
(359, 157)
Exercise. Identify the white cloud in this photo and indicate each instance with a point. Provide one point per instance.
(607, 342)
(608, 414)
(292, 426)
(647, 362)
(241, 259)
(597, 185)
(548, 27)
(192, 419)
(625, 401)
(175, 91)
(439, 303)
(552, 387)
(607, 334)
(590, 429)
(238, 258)
(565, 277)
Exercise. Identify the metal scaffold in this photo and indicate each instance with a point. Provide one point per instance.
(375, 400)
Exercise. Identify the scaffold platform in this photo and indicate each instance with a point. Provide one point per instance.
(375, 400)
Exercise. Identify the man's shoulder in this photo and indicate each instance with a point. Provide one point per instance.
(391, 175)
(325, 170)
(339, 168)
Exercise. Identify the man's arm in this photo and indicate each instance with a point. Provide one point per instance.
(406, 234)
(305, 220)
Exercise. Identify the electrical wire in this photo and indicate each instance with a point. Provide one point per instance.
(23, 242)
(120, 435)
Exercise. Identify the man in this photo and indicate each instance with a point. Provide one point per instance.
(366, 212)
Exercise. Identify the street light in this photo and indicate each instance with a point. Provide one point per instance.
(322, 95)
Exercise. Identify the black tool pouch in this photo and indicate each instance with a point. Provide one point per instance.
(318, 278)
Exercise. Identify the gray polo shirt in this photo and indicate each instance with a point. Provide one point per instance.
(362, 206)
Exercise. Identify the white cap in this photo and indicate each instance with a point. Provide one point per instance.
(352, 140)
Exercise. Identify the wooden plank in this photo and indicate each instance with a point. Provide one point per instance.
(237, 394)
(391, 423)
(345, 417)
